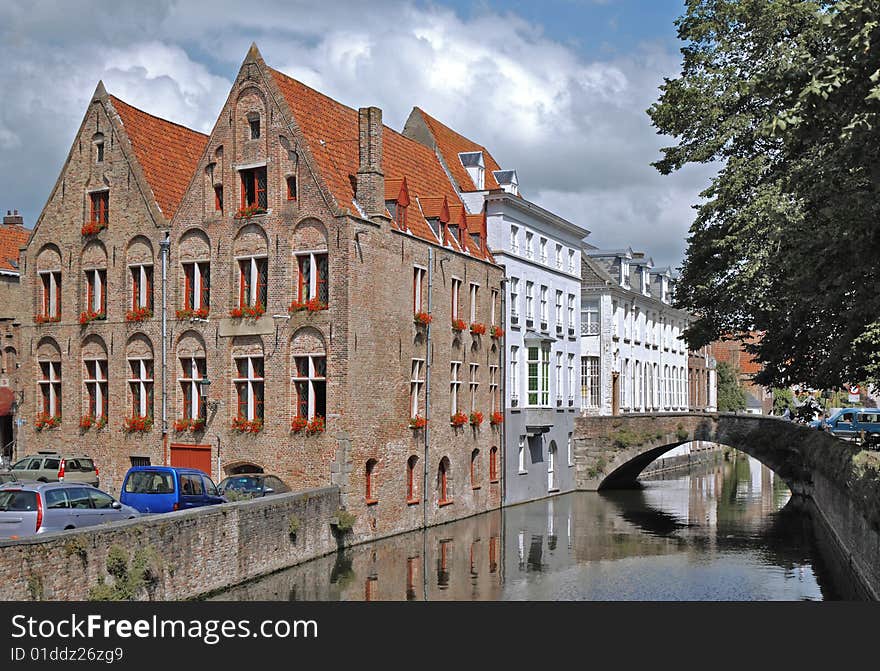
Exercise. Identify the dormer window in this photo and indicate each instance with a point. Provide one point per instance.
(254, 125)
(507, 180)
(476, 169)
(454, 230)
(434, 223)
(475, 238)
(624, 273)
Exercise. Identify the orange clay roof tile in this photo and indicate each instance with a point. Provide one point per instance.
(451, 144)
(331, 132)
(168, 153)
(11, 238)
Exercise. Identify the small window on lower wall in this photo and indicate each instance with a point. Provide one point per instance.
(370, 488)
(291, 188)
(140, 461)
(412, 488)
(493, 465)
(475, 469)
(444, 483)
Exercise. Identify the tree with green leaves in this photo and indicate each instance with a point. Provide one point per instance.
(784, 95)
(783, 398)
(731, 396)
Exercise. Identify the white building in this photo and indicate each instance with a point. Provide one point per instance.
(632, 356)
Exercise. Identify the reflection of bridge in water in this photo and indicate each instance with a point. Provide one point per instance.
(574, 546)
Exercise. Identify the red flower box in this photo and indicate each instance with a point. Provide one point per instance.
(185, 424)
(497, 332)
(312, 305)
(458, 419)
(316, 426)
(478, 329)
(458, 325)
(138, 315)
(137, 424)
(248, 311)
(243, 425)
(45, 421)
(89, 421)
(249, 212)
(298, 424)
(90, 316)
(418, 422)
(189, 313)
(476, 418)
(93, 228)
(422, 318)
(46, 319)
(496, 418)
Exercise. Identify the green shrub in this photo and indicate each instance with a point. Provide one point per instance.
(344, 521)
(293, 526)
(681, 433)
(35, 587)
(129, 578)
(76, 546)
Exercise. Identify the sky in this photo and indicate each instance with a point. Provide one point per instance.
(557, 90)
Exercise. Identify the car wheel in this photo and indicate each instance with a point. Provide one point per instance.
(42, 480)
(69, 526)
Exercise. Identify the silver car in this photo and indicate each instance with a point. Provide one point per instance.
(28, 508)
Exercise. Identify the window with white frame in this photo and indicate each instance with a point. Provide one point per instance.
(418, 282)
(253, 275)
(514, 373)
(539, 376)
(141, 287)
(416, 384)
(249, 388)
(559, 389)
(615, 320)
(637, 325)
(590, 318)
(95, 381)
(529, 251)
(310, 386)
(493, 307)
(141, 387)
(96, 290)
(521, 454)
(514, 296)
(456, 294)
(193, 369)
(570, 451)
(571, 382)
(454, 385)
(50, 388)
(474, 384)
(514, 239)
(571, 267)
(590, 381)
(473, 305)
(542, 246)
(493, 389)
(197, 285)
(544, 317)
(559, 315)
(559, 256)
(313, 274)
(571, 311)
(50, 294)
(530, 300)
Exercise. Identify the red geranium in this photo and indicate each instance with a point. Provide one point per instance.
(243, 425)
(422, 318)
(418, 422)
(458, 325)
(496, 418)
(90, 316)
(497, 332)
(138, 314)
(476, 418)
(458, 419)
(92, 228)
(478, 329)
(298, 424)
(137, 424)
(316, 425)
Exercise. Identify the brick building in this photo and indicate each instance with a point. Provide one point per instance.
(296, 243)
(13, 236)
(759, 400)
(702, 380)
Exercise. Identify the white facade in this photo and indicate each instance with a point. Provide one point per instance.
(633, 359)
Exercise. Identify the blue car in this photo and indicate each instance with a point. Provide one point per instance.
(162, 489)
(853, 423)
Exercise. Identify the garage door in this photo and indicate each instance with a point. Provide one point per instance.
(192, 456)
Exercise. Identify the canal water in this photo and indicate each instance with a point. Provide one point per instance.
(720, 531)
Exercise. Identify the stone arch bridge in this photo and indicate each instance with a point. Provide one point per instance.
(837, 479)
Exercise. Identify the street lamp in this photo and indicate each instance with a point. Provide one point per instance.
(204, 383)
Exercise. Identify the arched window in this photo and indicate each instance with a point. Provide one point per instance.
(49, 382)
(94, 264)
(49, 284)
(139, 353)
(249, 381)
(195, 262)
(95, 381)
(475, 469)
(250, 249)
(311, 263)
(371, 491)
(139, 258)
(192, 370)
(444, 482)
(493, 465)
(309, 374)
(412, 488)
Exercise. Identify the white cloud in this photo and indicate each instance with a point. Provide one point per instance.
(575, 130)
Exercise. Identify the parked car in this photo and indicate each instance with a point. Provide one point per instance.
(28, 508)
(161, 489)
(7, 476)
(251, 485)
(51, 466)
(854, 423)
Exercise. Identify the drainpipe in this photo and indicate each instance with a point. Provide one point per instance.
(165, 245)
(502, 448)
(425, 499)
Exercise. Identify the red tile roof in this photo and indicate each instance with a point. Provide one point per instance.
(451, 144)
(168, 153)
(331, 132)
(12, 237)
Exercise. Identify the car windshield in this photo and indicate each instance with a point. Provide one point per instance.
(242, 484)
(17, 500)
(149, 482)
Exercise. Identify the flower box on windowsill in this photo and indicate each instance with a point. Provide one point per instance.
(249, 212)
(44, 421)
(459, 419)
(248, 312)
(92, 228)
(137, 424)
(194, 425)
(476, 419)
(138, 315)
(418, 422)
(90, 316)
(89, 422)
(311, 305)
(422, 318)
(496, 418)
(478, 329)
(46, 319)
(458, 325)
(189, 313)
(241, 425)
(496, 332)
(298, 424)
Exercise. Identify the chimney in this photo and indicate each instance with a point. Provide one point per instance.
(13, 218)
(370, 181)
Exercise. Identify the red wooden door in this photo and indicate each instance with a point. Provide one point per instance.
(192, 456)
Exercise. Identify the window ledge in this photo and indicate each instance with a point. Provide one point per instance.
(555, 489)
(522, 472)
(413, 502)
(371, 502)
(494, 482)
(443, 504)
(476, 487)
